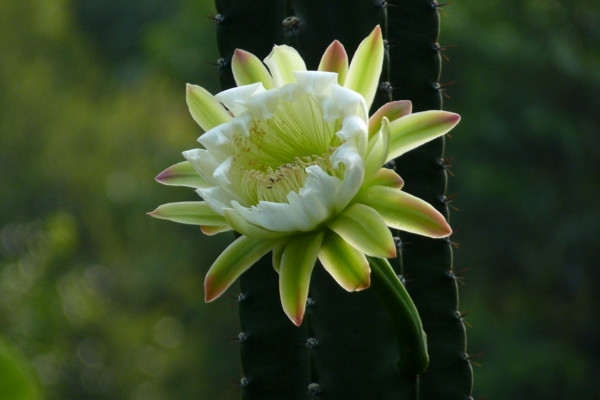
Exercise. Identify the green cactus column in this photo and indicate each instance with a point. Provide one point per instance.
(413, 29)
(346, 348)
(274, 359)
(353, 351)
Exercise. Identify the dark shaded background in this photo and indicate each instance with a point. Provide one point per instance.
(105, 303)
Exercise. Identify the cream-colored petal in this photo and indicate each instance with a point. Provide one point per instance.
(406, 212)
(364, 229)
(233, 261)
(182, 174)
(248, 69)
(203, 163)
(241, 225)
(392, 111)
(348, 266)
(354, 172)
(335, 60)
(205, 109)
(235, 98)
(377, 150)
(386, 177)
(365, 67)
(282, 62)
(416, 129)
(189, 212)
(297, 264)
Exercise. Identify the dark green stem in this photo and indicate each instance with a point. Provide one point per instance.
(412, 340)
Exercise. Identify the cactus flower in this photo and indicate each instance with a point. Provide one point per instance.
(292, 162)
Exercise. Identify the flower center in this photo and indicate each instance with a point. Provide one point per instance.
(269, 160)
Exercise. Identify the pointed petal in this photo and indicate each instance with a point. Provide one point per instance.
(248, 69)
(278, 253)
(189, 212)
(406, 212)
(364, 229)
(365, 67)
(392, 110)
(182, 174)
(205, 109)
(282, 61)
(386, 177)
(297, 263)
(419, 128)
(233, 261)
(335, 59)
(243, 226)
(213, 230)
(377, 150)
(348, 266)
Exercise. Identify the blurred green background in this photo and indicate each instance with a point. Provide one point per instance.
(98, 301)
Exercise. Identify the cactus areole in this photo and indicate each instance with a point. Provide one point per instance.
(291, 161)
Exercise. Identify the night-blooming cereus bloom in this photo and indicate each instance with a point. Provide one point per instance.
(293, 163)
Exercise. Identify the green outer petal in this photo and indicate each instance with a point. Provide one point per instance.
(348, 266)
(205, 109)
(182, 174)
(392, 110)
(248, 69)
(386, 177)
(240, 224)
(335, 60)
(406, 322)
(297, 264)
(278, 253)
(406, 212)
(365, 67)
(189, 212)
(419, 128)
(282, 61)
(213, 230)
(231, 263)
(365, 230)
(377, 150)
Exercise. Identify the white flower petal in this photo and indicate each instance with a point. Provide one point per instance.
(263, 105)
(352, 127)
(316, 82)
(348, 102)
(217, 137)
(282, 62)
(203, 162)
(217, 198)
(222, 171)
(353, 174)
(235, 98)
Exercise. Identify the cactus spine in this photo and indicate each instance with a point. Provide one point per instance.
(413, 29)
(346, 348)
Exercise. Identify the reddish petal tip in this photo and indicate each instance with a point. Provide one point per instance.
(393, 253)
(209, 293)
(162, 176)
